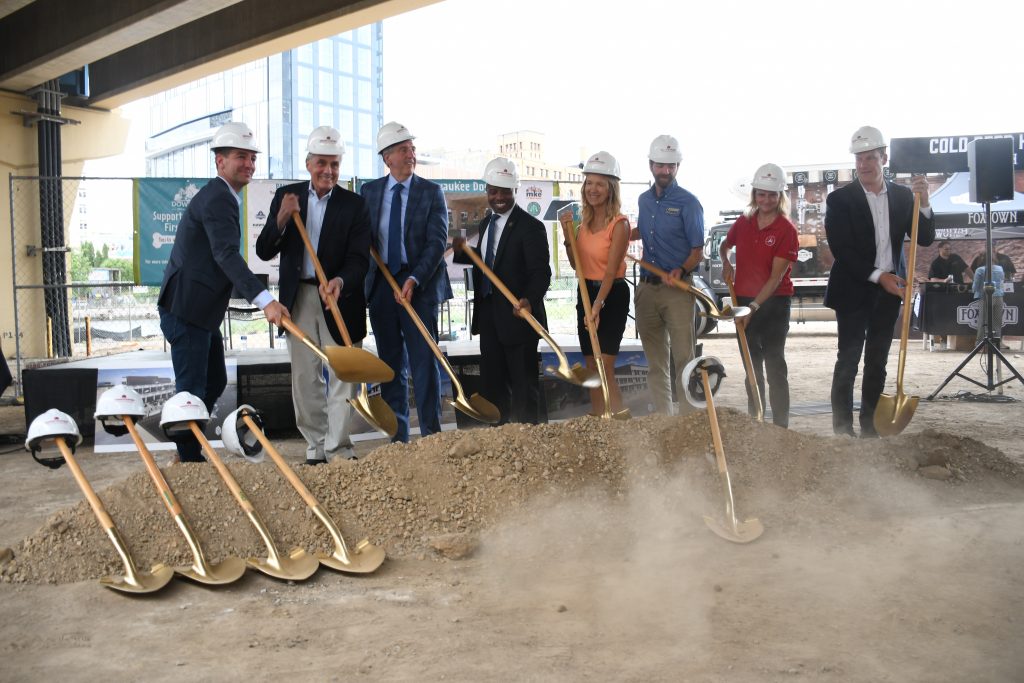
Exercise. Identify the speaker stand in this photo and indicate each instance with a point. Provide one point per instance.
(989, 345)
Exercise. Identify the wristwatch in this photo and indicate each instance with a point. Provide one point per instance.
(754, 306)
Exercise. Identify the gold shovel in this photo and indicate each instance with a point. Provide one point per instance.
(729, 313)
(592, 331)
(374, 409)
(297, 565)
(748, 364)
(228, 570)
(576, 374)
(364, 559)
(134, 580)
(476, 406)
(736, 531)
(894, 413)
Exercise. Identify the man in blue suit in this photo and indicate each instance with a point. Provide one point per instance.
(409, 220)
(204, 265)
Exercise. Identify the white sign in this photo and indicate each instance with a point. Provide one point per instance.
(259, 195)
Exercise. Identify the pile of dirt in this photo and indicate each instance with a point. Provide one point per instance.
(442, 493)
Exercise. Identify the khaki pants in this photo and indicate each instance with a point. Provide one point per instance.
(322, 411)
(664, 320)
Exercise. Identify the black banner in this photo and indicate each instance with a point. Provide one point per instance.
(799, 178)
(946, 154)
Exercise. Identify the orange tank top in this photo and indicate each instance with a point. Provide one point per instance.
(594, 249)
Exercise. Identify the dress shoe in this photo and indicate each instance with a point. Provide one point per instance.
(344, 453)
(310, 461)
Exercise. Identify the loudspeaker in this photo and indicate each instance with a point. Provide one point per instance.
(991, 164)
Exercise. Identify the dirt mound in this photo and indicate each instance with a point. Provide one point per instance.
(442, 492)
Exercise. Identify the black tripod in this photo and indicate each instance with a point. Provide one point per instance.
(989, 345)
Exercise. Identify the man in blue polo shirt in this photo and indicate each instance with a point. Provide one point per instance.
(671, 225)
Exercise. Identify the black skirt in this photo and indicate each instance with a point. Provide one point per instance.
(613, 318)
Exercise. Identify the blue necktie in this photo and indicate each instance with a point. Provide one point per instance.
(395, 231)
(492, 228)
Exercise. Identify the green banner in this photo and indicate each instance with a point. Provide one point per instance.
(159, 205)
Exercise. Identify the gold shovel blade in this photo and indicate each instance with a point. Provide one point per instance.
(141, 582)
(478, 408)
(366, 559)
(744, 532)
(227, 571)
(376, 411)
(894, 413)
(352, 364)
(298, 565)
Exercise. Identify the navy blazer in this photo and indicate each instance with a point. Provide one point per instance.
(521, 261)
(851, 237)
(205, 262)
(426, 236)
(343, 251)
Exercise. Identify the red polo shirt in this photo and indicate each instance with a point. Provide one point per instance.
(755, 250)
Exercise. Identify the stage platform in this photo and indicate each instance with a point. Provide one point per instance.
(261, 378)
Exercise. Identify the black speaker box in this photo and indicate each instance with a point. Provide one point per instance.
(991, 164)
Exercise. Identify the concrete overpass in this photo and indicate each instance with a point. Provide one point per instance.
(131, 48)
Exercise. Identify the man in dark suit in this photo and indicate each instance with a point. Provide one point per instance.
(338, 225)
(409, 220)
(514, 245)
(204, 265)
(866, 222)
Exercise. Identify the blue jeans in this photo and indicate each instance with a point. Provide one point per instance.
(197, 355)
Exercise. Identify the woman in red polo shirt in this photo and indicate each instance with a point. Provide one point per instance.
(766, 246)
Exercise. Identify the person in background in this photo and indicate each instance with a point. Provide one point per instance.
(766, 243)
(601, 241)
(947, 266)
(338, 225)
(866, 222)
(1001, 259)
(514, 245)
(671, 225)
(409, 223)
(978, 289)
(205, 263)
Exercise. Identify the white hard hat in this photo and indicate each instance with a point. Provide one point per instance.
(694, 383)
(327, 141)
(234, 134)
(665, 150)
(501, 172)
(115, 403)
(392, 133)
(180, 410)
(866, 139)
(602, 163)
(238, 438)
(50, 425)
(769, 177)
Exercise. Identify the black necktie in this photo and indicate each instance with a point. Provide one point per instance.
(492, 229)
(395, 230)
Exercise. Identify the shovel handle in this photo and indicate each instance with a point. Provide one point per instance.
(680, 284)
(591, 330)
(322, 277)
(151, 467)
(907, 294)
(287, 471)
(748, 364)
(492, 276)
(382, 267)
(222, 469)
(90, 495)
(295, 330)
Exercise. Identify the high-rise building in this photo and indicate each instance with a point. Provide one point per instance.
(337, 81)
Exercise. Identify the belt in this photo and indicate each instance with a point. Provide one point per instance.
(650, 279)
(597, 283)
(309, 281)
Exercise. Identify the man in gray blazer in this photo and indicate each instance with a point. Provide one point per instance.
(409, 220)
(204, 265)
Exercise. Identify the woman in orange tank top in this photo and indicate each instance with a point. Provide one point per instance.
(601, 242)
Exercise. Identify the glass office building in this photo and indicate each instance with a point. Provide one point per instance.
(337, 81)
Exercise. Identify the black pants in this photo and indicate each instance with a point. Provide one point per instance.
(868, 330)
(509, 373)
(766, 337)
